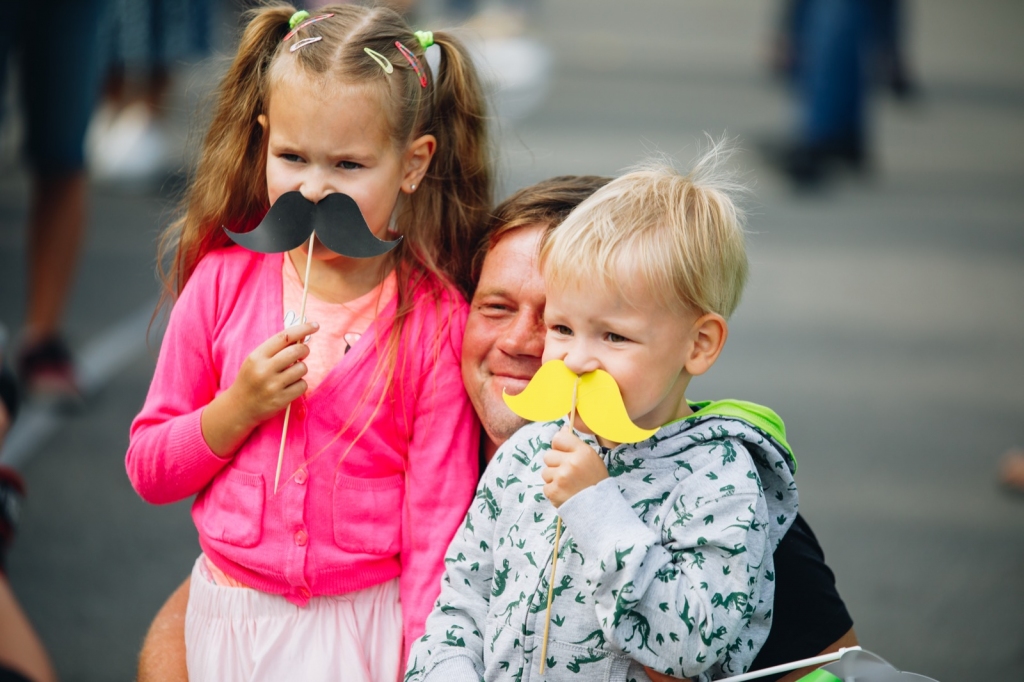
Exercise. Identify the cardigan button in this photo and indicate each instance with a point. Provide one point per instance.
(300, 476)
(304, 591)
(301, 538)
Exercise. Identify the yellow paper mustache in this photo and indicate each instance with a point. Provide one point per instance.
(548, 396)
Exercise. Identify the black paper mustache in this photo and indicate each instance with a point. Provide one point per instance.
(337, 221)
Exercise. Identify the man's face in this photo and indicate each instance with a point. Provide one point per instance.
(505, 331)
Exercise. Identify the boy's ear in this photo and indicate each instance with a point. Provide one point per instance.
(708, 336)
(417, 160)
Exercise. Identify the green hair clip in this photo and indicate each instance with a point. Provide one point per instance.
(299, 16)
(425, 38)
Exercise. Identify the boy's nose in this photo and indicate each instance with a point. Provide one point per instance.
(579, 361)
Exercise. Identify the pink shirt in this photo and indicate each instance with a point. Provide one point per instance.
(341, 324)
(347, 515)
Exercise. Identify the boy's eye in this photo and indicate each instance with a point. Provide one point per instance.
(350, 165)
(616, 338)
(562, 329)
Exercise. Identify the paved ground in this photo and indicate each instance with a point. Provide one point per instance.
(884, 321)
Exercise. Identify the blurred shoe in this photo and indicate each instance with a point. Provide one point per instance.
(130, 146)
(12, 490)
(808, 165)
(47, 371)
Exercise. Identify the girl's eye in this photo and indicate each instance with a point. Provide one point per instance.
(291, 158)
(562, 329)
(350, 165)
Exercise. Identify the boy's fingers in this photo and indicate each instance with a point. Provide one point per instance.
(547, 475)
(553, 458)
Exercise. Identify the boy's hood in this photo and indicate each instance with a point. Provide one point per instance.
(718, 424)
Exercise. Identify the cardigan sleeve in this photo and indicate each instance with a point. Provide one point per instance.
(168, 459)
(441, 473)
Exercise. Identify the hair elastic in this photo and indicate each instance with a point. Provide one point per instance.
(388, 67)
(426, 38)
(413, 62)
(305, 22)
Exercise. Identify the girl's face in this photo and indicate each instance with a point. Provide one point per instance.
(334, 137)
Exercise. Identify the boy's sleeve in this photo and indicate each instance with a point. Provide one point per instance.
(452, 649)
(168, 458)
(441, 474)
(675, 604)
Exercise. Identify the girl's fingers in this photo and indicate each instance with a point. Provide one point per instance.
(288, 356)
(292, 374)
(287, 337)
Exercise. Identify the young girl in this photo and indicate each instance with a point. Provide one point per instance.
(325, 576)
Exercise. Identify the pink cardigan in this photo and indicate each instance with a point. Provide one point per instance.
(389, 509)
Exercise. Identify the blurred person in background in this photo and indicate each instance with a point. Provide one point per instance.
(142, 40)
(22, 656)
(58, 73)
(832, 49)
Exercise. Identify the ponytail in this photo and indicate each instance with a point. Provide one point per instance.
(230, 183)
(457, 192)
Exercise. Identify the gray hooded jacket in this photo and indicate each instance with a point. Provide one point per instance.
(667, 563)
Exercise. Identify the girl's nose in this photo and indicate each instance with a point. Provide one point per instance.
(314, 187)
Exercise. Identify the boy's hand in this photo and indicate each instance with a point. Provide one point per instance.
(269, 379)
(572, 465)
(660, 677)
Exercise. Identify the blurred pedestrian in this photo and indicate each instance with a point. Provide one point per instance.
(55, 51)
(142, 39)
(22, 656)
(832, 48)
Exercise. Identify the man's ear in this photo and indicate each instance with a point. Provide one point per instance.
(708, 335)
(417, 160)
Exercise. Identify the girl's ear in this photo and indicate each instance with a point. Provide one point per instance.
(708, 335)
(417, 160)
(262, 118)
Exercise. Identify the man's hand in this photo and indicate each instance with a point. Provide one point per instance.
(572, 465)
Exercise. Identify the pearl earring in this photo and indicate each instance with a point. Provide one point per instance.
(412, 188)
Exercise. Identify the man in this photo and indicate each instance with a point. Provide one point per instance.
(502, 350)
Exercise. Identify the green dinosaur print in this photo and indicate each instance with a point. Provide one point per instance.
(645, 505)
(735, 550)
(500, 577)
(718, 633)
(618, 467)
(488, 505)
(577, 662)
(733, 599)
(666, 573)
(681, 464)
(580, 599)
(729, 452)
(550, 662)
(619, 556)
(598, 638)
(460, 558)
(727, 490)
(451, 639)
(684, 616)
(511, 607)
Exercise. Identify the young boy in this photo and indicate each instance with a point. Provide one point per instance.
(665, 558)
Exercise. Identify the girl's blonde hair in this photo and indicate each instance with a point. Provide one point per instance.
(441, 222)
(678, 236)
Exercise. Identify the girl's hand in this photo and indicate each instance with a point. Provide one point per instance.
(572, 465)
(268, 380)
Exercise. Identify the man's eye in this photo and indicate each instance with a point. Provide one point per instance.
(562, 329)
(350, 165)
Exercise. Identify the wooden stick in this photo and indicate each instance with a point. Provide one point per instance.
(795, 665)
(554, 557)
(302, 316)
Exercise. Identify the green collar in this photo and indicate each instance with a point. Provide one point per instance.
(758, 416)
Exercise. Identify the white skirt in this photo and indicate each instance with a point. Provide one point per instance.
(236, 634)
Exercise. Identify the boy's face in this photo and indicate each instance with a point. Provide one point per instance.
(644, 347)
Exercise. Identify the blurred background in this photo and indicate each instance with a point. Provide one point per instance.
(884, 319)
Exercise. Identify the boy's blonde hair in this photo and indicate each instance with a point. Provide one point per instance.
(680, 236)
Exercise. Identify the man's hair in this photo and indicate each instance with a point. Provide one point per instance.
(680, 236)
(546, 203)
